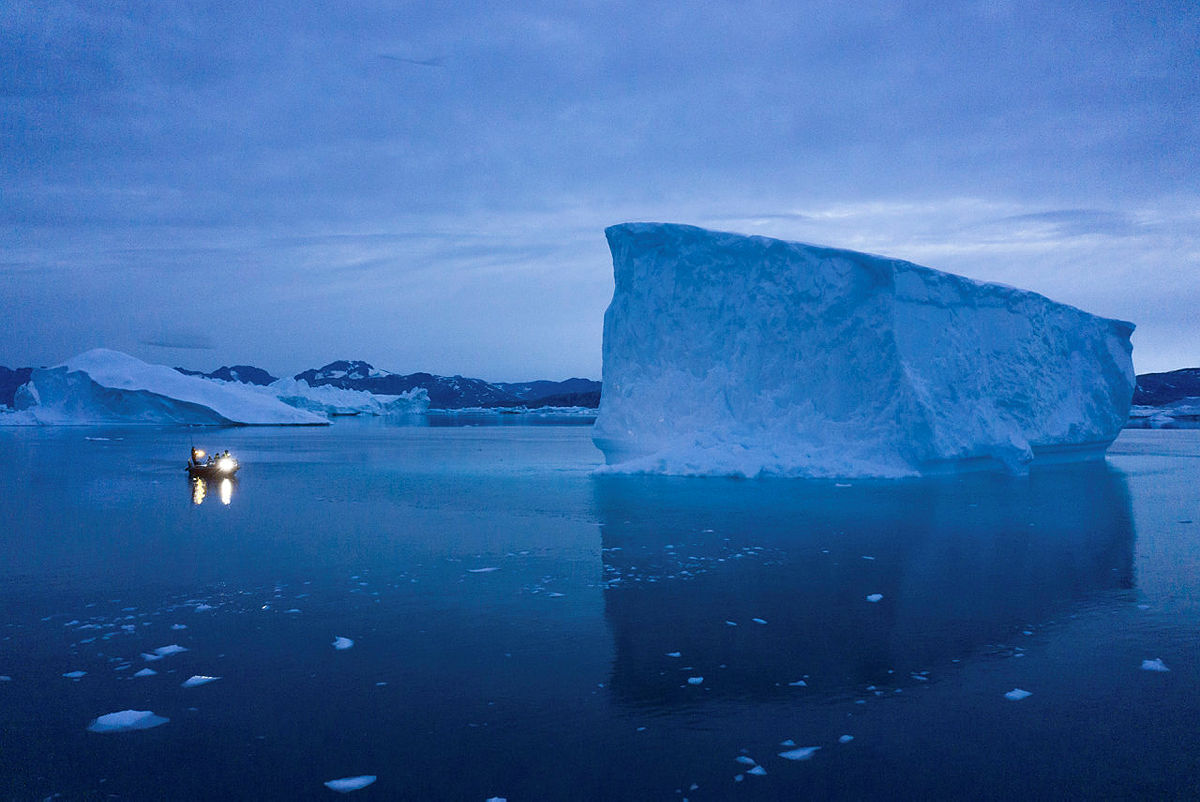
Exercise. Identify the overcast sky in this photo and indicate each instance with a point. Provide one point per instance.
(425, 185)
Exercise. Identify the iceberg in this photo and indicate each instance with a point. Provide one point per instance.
(733, 355)
(102, 386)
(329, 400)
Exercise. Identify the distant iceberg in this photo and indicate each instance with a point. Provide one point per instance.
(329, 400)
(103, 386)
(726, 354)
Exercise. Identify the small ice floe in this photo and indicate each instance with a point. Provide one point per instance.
(845, 739)
(198, 679)
(200, 608)
(78, 674)
(293, 610)
(695, 680)
(758, 620)
(341, 643)
(788, 742)
(146, 672)
(674, 654)
(842, 484)
(126, 720)
(758, 771)
(497, 799)
(5, 678)
(803, 753)
(875, 597)
(867, 557)
(348, 784)
(163, 651)
(555, 595)
(1016, 695)
(731, 623)
(1147, 665)
(798, 684)
(737, 778)
(98, 439)
(487, 570)
(1143, 607)
(746, 760)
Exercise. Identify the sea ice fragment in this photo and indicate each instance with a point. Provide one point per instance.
(348, 784)
(803, 753)
(341, 643)
(1016, 695)
(126, 720)
(198, 679)
(1147, 665)
(875, 597)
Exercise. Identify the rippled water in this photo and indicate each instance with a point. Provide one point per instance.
(522, 628)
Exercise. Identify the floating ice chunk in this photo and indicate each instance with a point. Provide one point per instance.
(867, 557)
(803, 753)
(497, 799)
(202, 607)
(758, 771)
(126, 720)
(5, 678)
(746, 760)
(845, 739)
(875, 597)
(731, 623)
(348, 784)
(164, 651)
(695, 680)
(341, 643)
(146, 672)
(198, 679)
(758, 620)
(798, 684)
(788, 742)
(737, 778)
(78, 674)
(674, 654)
(487, 570)
(178, 626)
(1147, 665)
(1016, 695)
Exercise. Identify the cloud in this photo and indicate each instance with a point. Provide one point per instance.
(181, 341)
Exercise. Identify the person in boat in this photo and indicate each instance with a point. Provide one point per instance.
(196, 455)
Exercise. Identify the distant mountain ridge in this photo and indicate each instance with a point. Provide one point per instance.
(10, 380)
(1159, 389)
(246, 374)
(455, 392)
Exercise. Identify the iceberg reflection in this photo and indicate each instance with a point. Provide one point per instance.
(759, 585)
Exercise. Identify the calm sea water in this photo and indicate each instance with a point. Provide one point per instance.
(526, 629)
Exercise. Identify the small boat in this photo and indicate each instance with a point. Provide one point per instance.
(212, 466)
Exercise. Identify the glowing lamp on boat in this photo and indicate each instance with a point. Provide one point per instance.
(225, 464)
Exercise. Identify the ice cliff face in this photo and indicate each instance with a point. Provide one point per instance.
(726, 354)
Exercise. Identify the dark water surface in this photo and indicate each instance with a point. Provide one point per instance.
(516, 618)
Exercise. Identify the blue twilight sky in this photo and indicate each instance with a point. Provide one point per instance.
(425, 185)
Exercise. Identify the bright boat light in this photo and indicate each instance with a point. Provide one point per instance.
(225, 464)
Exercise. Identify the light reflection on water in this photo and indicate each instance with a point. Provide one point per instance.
(200, 487)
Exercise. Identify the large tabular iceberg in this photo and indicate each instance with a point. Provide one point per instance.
(726, 354)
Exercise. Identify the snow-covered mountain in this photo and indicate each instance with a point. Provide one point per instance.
(445, 392)
(246, 374)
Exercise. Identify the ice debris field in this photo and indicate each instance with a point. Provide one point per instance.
(726, 354)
